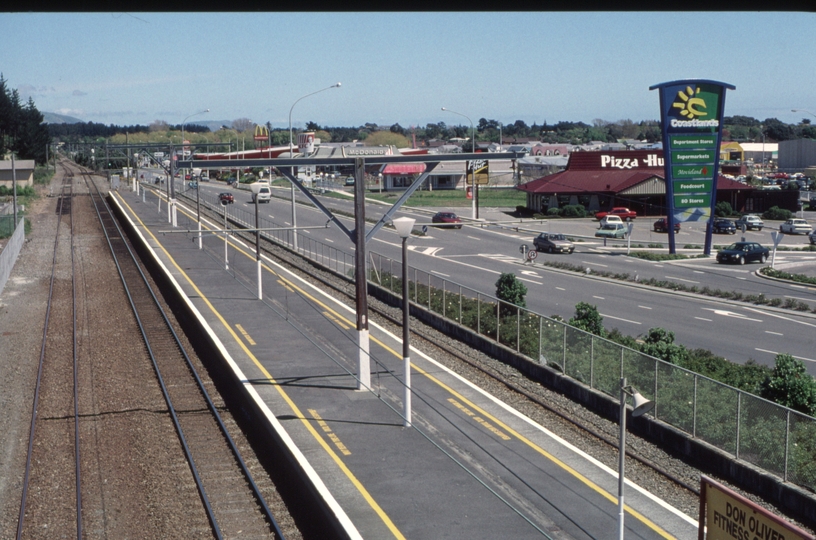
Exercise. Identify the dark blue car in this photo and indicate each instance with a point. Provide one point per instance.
(743, 252)
(723, 226)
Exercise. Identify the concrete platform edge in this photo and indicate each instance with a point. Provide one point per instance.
(252, 406)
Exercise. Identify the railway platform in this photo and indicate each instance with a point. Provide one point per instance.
(469, 466)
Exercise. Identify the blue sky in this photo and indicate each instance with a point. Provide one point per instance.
(134, 68)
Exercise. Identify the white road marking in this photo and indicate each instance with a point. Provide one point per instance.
(774, 333)
(531, 281)
(596, 264)
(530, 273)
(644, 307)
(783, 317)
(619, 319)
(797, 357)
(702, 319)
(681, 279)
(561, 288)
(599, 297)
(725, 313)
(698, 272)
(474, 237)
(439, 273)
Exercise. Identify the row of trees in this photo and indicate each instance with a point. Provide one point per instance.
(21, 128)
(740, 128)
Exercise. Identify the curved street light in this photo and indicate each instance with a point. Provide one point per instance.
(295, 103)
(294, 214)
(804, 110)
(475, 194)
(183, 122)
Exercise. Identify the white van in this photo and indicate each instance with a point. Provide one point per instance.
(263, 194)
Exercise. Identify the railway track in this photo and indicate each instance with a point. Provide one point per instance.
(655, 465)
(77, 430)
(53, 457)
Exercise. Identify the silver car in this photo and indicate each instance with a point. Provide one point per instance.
(553, 243)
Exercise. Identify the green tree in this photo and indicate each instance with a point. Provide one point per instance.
(511, 290)
(588, 319)
(791, 385)
(723, 209)
(659, 343)
(387, 138)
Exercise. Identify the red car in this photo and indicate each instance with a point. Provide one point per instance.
(624, 213)
(448, 219)
(662, 225)
(226, 198)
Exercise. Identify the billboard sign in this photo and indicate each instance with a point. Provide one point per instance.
(261, 133)
(691, 113)
(726, 515)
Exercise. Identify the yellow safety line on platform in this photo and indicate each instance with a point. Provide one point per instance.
(298, 414)
(586, 481)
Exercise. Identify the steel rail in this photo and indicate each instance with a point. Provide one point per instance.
(231, 443)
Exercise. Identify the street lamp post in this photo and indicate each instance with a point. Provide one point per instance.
(641, 407)
(404, 226)
(198, 200)
(475, 194)
(294, 213)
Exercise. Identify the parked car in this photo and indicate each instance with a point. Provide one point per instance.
(612, 230)
(449, 219)
(795, 226)
(743, 252)
(553, 243)
(723, 226)
(662, 225)
(609, 219)
(751, 221)
(624, 213)
(226, 198)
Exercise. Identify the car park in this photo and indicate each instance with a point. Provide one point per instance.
(751, 221)
(743, 252)
(226, 198)
(553, 243)
(795, 226)
(609, 219)
(624, 213)
(662, 225)
(723, 226)
(447, 219)
(612, 230)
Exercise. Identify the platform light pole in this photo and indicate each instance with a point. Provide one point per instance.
(641, 407)
(404, 225)
(475, 192)
(173, 180)
(294, 212)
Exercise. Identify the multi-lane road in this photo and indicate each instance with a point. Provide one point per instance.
(475, 256)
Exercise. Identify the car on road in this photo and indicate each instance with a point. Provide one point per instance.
(349, 180)
(723, 226)
(743, 252)
(612, 230)
(447, 219)
(795, 226)
(609, 219)
(751, 221)
(263, 195)
(812, 237)
(662, 225)
(624, 213)
(226, 198)
(192, 184)
(553, 243)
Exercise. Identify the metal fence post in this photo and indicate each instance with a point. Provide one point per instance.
(739, 413)
(694, 409)
(787, 444)
(460, 304)
(518, 329)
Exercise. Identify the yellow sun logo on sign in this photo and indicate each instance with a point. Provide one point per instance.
(688, 104)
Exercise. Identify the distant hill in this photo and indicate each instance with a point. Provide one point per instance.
(54, 118)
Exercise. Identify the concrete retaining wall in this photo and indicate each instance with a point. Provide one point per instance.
(8, 257)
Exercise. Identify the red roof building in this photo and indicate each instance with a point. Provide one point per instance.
(603, 179)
